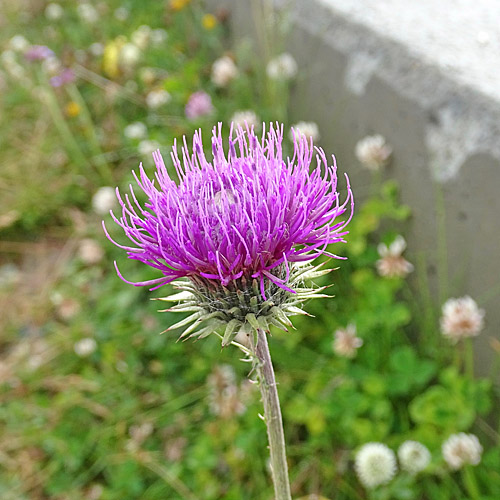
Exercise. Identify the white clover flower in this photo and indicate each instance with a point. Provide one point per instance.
(392, 263)
(373, 152)
(282, 67)
(130, 55)
(53, 11)
(413, 456)
(136, 130)
(104, 200)
(96, 49)
(309, 129)
(462, 449)
(224, 71)
(240, 118)
(87, 13)
(147, 147)
(141, 36)
(121, 13)
(461, 318)
(157, 98)
(85, 347)
(18, 43)
(158, 36)
(346, 343)
(90, 251)
(52, 65)
(375, 464)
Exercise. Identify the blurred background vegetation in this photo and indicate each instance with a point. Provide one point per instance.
(95, 404)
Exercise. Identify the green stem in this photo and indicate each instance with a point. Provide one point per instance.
(272, 414)
(470, 482)
(442, 244)
(469, 358)
(86, 119)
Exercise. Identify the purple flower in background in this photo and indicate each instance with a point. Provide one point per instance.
(199, 104)
(66, 76)
(38, 53)
(241, 228)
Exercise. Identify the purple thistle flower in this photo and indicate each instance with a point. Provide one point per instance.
(238, 225)
(38, 53)
(199, 104)
(66, 76)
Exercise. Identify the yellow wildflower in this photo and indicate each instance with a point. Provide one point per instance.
(209, 21)
(178, 4)
(72, 109)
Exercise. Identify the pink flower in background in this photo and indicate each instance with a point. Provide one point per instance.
(199, 104)
(66, 76)
(392, 264)
(38, 53)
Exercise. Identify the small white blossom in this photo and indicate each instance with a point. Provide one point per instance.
(90, 251)
(141, 36)
(88, 13)
(413, 456)
(146, 147)
(104, 200)
(282, 67)
(121, 13)
(96, 49)
(462, 449)
(346, 343)
(159, 36)
(85, 347)
(18, 43)
(54, 11)
(392, 263)
(130, 55)
(52, 65)
(309, 129)
(375, 464)
(373, 152)
(461, 318)
(157, 98)
(224, 71)
(245, 117)
(136, 130)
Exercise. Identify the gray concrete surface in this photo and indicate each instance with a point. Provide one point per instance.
(425, 75)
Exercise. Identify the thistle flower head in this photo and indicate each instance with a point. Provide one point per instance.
(413, 456)
(375, 464)
(462, 449)
(241, 228)
(461, 318)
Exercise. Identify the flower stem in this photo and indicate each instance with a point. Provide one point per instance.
(272, 414)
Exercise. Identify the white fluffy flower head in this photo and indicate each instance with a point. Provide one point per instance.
(157, 98)
(346, 343)
(53, 11)
(373, 152)
(85, 347)
(136, 130)
(392, 263)
(309, 129)
(224, 71)
(282, 67)
(87, 12)
(375, 464)
(462, 449)
(248, 117)
(147, 146)
(413, 456)
(104, 200)
(461, 318)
